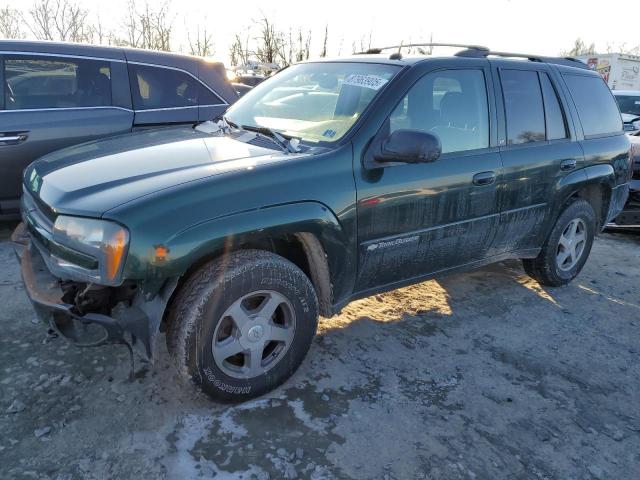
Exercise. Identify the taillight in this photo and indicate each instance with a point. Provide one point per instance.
(634, 158)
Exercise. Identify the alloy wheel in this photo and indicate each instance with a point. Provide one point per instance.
(253, 334)
(571, 244)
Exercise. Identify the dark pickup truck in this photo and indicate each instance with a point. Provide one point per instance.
(331, 181)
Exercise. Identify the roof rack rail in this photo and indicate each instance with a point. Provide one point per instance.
(410, 45)
(478, 51)
(568, 61)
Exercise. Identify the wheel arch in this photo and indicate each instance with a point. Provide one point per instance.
(307, 233)
(593, 184)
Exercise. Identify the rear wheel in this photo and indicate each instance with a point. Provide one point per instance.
(242, 324)
(567, 247)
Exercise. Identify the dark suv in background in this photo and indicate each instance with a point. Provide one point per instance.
(57, 94)
(328, 182)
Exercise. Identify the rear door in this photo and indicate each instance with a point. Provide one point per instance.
(166, 95)
(51, 102)
(538, 147)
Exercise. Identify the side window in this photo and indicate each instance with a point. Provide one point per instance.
(554, 117)
(32, 82)
(158, 87)
(451, 104)
(596, 106)
(523, 106)
(207, 97)
(2, 84)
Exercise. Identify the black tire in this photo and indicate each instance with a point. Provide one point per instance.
(208, 294)
(544, 268)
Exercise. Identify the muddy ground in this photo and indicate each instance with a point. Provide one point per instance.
(483, 375)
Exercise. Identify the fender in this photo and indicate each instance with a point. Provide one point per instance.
(599, 178)
(200, 241)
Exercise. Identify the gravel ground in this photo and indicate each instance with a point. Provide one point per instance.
(483, 375)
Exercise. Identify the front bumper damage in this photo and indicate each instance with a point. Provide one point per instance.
(133, 323)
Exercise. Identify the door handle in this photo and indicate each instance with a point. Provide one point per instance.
(484, 178)
(12, 138)
(568, 164)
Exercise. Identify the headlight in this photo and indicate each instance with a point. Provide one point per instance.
(102, 241)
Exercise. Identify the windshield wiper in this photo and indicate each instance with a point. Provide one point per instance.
(285, 143)
(219, 124)
(228, 122)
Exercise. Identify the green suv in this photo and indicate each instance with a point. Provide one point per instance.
(331, 181)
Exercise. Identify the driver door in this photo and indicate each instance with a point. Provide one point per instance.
(418, 219)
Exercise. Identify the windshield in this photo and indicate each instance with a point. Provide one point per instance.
(629, 104)
(316, 102)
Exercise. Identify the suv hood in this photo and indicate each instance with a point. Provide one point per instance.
(94, 177)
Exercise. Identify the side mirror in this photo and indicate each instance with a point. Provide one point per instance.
(409, 146)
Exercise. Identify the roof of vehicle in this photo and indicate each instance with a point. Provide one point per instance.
(631, 93)
(86, 50)
(376, 55)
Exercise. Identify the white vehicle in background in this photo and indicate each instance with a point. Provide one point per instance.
(621, 71)
(629, 104)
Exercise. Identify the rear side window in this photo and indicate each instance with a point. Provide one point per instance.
(523, 106)
(32, 82)
(597, 109)
(207, 97)
(158, 87)
(554, 117)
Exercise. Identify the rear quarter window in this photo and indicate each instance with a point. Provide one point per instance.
(596, 106)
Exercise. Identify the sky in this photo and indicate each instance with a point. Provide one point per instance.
(544, 27)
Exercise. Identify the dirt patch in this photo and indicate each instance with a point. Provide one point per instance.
(472, 376)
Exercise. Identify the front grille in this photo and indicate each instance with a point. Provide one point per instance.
(37, 214)
(45, 210)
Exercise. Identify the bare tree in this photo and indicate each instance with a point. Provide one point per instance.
(202, 45)
(629, 50)
(292, 48)
(295, 49)
(270, 42)
(148, 28)
(239, 51)
(10, 23)
(323, 53)
(622, 48)
(365, 43)
(60, 20)
(579, 48)
(303, 46)
(102, 36)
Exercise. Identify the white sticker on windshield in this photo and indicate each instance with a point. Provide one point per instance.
(366, 81)
(637, 102)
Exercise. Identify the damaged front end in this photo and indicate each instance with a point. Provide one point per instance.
(85, 314)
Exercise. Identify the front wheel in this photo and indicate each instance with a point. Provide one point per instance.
(567, 247)
(242, 324)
